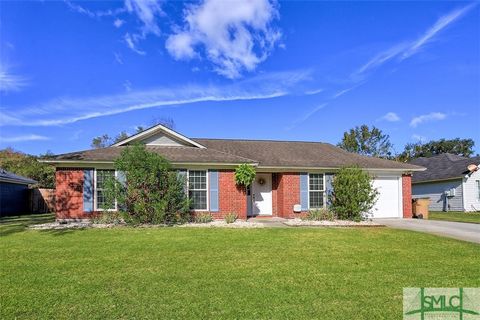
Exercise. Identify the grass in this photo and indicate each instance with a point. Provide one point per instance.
(184, 273)
(457, 216)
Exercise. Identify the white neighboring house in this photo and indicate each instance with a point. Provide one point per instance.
(448, 182)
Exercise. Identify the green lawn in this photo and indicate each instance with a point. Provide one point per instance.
(184, 273)
(458, 216)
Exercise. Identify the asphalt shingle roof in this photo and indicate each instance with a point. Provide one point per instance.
(14, 178)
(442, 167)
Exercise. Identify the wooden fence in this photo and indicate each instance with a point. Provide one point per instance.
(42, 200)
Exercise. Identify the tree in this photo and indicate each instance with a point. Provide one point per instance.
(353, 193)
(244, 174)
(461, 147)
(28, 166)
(151, 191)
(365, 141)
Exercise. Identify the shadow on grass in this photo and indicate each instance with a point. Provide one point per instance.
(15, 224)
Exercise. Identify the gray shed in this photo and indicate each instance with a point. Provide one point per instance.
(14, 193)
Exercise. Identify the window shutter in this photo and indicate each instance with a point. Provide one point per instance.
(121, 178)
(182, 175)
(329, 187)
(213, 183)
(88, 190)
(304, 191)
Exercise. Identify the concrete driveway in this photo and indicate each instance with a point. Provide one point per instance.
(458, 230)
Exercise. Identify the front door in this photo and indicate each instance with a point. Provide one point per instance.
(262, 194)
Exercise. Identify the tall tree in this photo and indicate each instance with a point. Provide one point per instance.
(461, 147)
(365, 141)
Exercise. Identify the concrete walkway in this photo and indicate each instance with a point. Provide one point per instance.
(458, 230)
(269, 222)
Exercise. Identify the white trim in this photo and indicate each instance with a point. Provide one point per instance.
(308, 169)
(324, 190)
(95, 202)
(154, 130)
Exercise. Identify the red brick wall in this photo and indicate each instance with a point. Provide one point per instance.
(407, 195)
(231, 198)
(69, 194)
(287, 194)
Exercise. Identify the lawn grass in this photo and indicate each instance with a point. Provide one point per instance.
(185, 273)
(457, 216)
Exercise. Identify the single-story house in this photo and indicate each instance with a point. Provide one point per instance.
(14, 193)
(292, 177)
(451, 182)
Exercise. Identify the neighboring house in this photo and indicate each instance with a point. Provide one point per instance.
(14, 195)
(448, 182)
(288, 174)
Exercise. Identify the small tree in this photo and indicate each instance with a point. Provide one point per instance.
(151, 192)
(244, 175)
(365, 141)
(353, 193)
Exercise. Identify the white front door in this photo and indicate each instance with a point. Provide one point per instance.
(389, 199)
(262, 194)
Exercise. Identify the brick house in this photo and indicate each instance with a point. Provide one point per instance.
(292, 177)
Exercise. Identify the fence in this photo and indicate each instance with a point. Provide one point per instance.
(42, 200)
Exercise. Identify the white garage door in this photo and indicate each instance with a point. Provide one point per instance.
(389, 199)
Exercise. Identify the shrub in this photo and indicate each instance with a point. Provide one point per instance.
(203, 217)
(151, 192)
(320, 215)
(244, 174)
(109, 217)
(353, 193)
(230, 217)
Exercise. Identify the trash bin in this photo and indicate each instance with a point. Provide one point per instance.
(420, 208)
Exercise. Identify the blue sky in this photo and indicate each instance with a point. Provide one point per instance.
(70, 71)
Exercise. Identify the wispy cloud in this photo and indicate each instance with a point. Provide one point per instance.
(62, 111)
(433, 116)
(9, 81)
(314, 91)
(306, 116)
(406, 49)
(22, 138)
(390, 117)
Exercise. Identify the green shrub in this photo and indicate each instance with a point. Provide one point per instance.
(319, 215)
(152, 193)
(353, 193)
(203, 217)
(109, 217)
(244, 174)
(230, 217)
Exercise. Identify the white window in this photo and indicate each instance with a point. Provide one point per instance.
(316, 190)
(197, 189)
(101, 176)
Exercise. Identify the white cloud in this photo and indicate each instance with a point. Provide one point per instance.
(118, 23)
(407, 49)
(127, 85)
(433, 116)
(234, 35)
(313, 92)
(419, 138)
(10, 82)
(131, 41)
(29, 137)
(69, 110)
(146, 11)
(306, 116)
(118, 58)
(391, 117)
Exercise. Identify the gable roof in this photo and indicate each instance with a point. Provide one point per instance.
(301, 154)
(7, 176)
(442, 167)
(156, 130)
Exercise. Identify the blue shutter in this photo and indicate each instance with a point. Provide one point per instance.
(329, 187)
(213, 182)
(121, 178)
(88, 190)
(304, 191)
(182, 175)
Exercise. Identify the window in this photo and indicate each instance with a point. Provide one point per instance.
(197, 189)
(316, 190)
(101, 177)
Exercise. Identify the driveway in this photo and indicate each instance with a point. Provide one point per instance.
(458, 230)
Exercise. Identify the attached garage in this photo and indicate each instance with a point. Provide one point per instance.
(389, 204)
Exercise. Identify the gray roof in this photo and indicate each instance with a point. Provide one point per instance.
(267, 153)
(6, 176)
(442, 167)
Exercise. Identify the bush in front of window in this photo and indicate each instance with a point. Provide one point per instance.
(244, 175)
(353, 193)
(109, 217)
(230, 217)
(319, 215)
(203, 217)
(151, 192)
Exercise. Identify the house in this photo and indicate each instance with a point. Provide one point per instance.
(448, 182)
(292, 177)
(14, 193)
